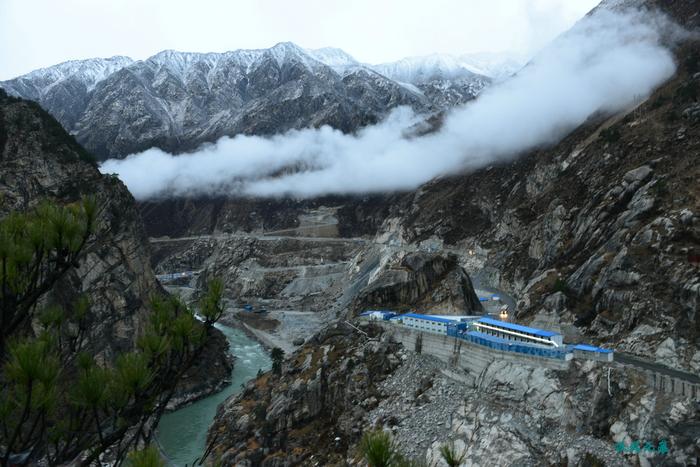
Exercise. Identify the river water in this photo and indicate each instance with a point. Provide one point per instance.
(182, 434)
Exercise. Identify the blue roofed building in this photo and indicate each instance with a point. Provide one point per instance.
(426, 323)
(591, 352)
(518, 332)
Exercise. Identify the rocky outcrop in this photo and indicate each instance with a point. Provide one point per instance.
(312, 411)
(511, 413)
(427, 282)
(210, 375)
(38, 160)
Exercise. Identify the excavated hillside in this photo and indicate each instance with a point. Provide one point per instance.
(598, 236)
(601, 230)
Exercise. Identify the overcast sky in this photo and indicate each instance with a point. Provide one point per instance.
(39, 33)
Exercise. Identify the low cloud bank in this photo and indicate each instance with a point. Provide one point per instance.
(605, 63)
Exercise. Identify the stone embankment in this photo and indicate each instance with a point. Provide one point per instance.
(475, 359)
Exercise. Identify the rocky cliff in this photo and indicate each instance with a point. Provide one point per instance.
(427, 282)
(39, 160)
(312, 412)
(597, 236)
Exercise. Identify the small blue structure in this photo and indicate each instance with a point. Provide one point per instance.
(592, 352)
(508, 345)
(429, 323)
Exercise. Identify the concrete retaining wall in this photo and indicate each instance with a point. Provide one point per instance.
(595, 356)
(472, 358)
(668, 384)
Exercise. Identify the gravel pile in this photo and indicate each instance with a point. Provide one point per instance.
(419, 404)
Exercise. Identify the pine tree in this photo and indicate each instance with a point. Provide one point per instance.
(277, 356)
(58, 403)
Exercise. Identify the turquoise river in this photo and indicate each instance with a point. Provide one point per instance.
(182, 434)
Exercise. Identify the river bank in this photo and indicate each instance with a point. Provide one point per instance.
(182, 433)
(286, 329)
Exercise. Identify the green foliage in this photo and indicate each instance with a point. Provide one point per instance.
(611, 135)
(378, 449)
(560, 285)
(91, 387)
(58, 402)
(132, 374)
(211, 307)
(36, 249)
(449, 454)
(147, 457)
(277, 356)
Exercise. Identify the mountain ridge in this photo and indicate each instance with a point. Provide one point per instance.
(177, 101)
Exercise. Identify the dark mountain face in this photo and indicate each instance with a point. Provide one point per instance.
(598, 235)
(38, 160)
(177, 101)
(606, 221)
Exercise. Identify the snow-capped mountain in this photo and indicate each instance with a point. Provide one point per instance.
(64, 89)
(338, 59)
(90, 72)
(424, 69)
(178, 100)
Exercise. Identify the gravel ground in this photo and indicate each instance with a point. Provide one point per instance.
(420, 403)
(425, 404)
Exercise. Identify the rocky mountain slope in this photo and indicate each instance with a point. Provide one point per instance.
(346, 380)
(39, 160)
(601, 230)
(176, 101)
(64, 90)
(597, 236)
(451, 80)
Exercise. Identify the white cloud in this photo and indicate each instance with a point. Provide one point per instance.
(603, 64)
